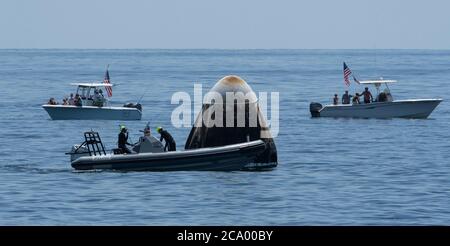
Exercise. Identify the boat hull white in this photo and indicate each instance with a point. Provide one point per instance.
(68, 112)
(418, 108)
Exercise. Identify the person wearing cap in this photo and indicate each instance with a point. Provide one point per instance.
(123, 140)
(170, 142)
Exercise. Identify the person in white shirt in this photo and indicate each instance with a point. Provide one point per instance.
(71, 99)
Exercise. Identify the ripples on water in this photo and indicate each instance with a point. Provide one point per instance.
(331, 171)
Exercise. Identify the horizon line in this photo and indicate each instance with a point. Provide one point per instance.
(224, 48)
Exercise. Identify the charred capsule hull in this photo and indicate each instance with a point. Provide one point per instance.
(204, 135)
(228, 158)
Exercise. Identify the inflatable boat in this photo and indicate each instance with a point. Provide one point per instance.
(91, 155)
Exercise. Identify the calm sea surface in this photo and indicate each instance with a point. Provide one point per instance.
(331, 171)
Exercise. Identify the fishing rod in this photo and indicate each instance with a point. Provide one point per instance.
(142, 95)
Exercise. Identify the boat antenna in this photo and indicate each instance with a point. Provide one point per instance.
(143, 94)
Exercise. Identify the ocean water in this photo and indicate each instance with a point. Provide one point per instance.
(331, 171)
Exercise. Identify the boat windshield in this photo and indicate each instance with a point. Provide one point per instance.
(382, 95)
(84, 91)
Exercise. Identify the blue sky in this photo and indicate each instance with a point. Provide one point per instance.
(227, 24)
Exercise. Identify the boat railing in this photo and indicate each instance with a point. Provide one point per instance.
(93, 143)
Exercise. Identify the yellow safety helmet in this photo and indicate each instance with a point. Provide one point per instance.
(122, 127)
(158, 129)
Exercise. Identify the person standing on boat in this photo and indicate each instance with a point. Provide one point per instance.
(368, 98)
(123, 140)
(96, 99)
(335, 99)
(355, 99)
(346, 98)
(78, 101)
(102, 97)
(71, 99)
(170, 143)
(389, 97)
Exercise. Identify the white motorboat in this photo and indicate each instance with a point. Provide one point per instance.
(93, 107)
(384, 106)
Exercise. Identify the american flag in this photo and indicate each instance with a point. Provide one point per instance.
(106, 81)
(347, 73)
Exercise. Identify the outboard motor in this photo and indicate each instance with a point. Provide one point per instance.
(315, 108)
(132, 105)
(92, 145)
(139, 106)
(78, 151)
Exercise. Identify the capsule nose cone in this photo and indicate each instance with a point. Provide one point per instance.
(236, 84)
(232, 80)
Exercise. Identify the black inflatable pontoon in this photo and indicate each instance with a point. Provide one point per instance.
(226, 158)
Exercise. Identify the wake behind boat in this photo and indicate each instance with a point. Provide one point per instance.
(382, 105)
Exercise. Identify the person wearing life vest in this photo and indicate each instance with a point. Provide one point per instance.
(170, 143)
(368, 98)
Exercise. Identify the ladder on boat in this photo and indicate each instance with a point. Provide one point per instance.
(93, 143)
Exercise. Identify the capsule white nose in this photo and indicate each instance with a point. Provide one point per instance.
(234, 84)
